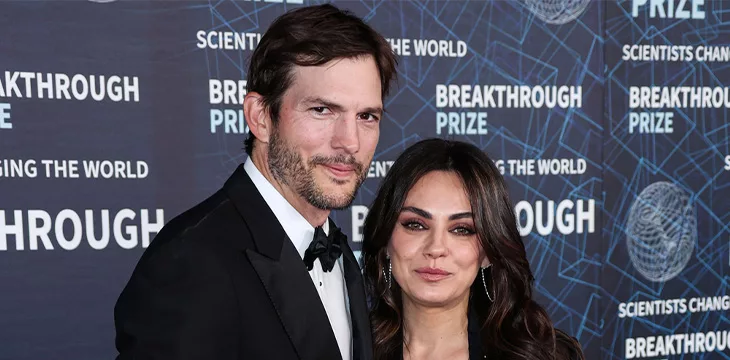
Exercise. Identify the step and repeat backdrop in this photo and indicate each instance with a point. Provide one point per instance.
(666, 163)
(607, 118)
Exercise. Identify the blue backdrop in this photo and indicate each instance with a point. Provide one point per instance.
(608, 119)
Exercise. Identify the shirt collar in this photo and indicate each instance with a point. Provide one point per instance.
(297, 228)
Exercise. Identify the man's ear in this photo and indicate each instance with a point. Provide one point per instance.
(257, 118)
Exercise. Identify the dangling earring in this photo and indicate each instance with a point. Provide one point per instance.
(484, 281)
(390, 274)
(388, 278)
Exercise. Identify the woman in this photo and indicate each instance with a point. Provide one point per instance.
(445, 267)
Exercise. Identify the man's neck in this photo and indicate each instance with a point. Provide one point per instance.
(313, 215)
(430, 331)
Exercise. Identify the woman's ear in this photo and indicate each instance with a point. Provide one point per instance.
(485, 262)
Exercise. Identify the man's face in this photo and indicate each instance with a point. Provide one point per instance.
(328, 128)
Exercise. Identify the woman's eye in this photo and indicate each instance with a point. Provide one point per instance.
(413, 225)
(463, 230)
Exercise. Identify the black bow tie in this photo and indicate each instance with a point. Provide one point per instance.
(327, 248)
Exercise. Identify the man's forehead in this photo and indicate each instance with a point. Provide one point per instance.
(303, 93)
(343, 87)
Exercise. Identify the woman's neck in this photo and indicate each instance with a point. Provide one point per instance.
(432, 333)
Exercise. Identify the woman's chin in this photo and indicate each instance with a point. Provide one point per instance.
(433, 297)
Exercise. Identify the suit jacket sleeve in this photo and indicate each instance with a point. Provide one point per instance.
(179, 304)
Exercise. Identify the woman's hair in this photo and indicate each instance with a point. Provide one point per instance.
(513, 326)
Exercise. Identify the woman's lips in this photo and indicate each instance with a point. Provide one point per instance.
(432, 274)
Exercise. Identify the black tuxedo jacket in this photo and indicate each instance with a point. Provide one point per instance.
(223, 281)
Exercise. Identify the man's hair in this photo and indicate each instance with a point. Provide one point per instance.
(312, 36)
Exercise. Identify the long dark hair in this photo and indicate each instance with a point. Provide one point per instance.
(513, 326)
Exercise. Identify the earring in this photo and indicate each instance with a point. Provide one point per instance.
(390, 274)
(484, 281)
(388, 278)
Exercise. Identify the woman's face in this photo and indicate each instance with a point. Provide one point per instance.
(434, 250)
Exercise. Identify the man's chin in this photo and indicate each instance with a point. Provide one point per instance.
(338, 192)
(338, 197)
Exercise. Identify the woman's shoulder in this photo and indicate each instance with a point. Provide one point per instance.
(567, 347)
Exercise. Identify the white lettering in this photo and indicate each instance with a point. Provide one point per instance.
(651, 123)
(462, 123)
(561, 166)
(76, 232)
(36, 232)
(378, 169)
(545, 216)
(659, 97)
(658, 53)
(671, 9)
(68, 231)
(117, 169)
(224, 40)
(713, 53)
(231, 121)
(508, 96)
(11, 168)
(440, 48)
(400, 46)
(227, 91)
(74, 87)
(5, 123)
(359, 212)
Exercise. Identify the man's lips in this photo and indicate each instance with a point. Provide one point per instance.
(339, 167)
(340, 170)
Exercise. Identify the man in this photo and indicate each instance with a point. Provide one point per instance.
(258, 270)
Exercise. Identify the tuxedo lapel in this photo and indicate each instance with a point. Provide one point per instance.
(297, 304)
(362, 344)
(283, 274)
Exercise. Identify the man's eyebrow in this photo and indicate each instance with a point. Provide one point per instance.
(374, 110)
(378, 110)
(321, 101)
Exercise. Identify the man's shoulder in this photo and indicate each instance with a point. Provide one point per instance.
(205, 225)
(190, 254)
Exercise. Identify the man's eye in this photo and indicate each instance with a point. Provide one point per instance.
(369, 117)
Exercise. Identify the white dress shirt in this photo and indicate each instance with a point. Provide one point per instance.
(330, 285)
